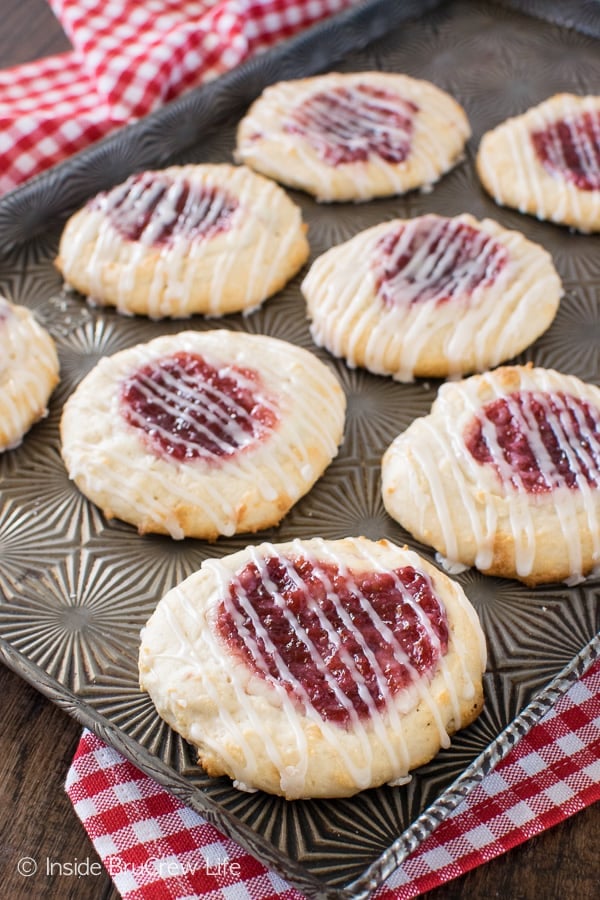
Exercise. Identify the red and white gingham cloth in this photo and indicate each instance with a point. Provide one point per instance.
(155, 848)
(128, 58)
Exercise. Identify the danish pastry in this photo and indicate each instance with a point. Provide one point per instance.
(504, 475)
(201, 434)
(29, 372)
(546, 162)
(315, 668)
(353, 136)
(431, 296)
(210, 239)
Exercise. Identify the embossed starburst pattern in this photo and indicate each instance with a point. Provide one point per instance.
(75, 618)
(76, 588)
(572, 344)
(378, 410)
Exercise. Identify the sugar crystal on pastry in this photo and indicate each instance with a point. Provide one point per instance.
(504, 474)
(203, 433)
(353, 136)
(431, 296)
(315, 668)
(209, 239)
(29, 372)
(546, 161)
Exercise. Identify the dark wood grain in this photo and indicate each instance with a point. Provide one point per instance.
(29, 30)
(37, 740)
(37, 821)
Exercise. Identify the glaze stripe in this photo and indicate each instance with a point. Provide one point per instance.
(171, 279)
(444, 459)
(351, 318)
(28, 371)
(419, 692)
(566, 202)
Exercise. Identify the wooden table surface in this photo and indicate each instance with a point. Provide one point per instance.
(37, 740)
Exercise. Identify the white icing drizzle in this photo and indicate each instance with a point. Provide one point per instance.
(429, 147)
(28, 370)
(433, 268)
(358, 763)
(183, 650)
(523, 526)
(374, 713)
(444, 459)
(225, 417)
(529, 172)
(171, 278)
(425, 695)
(587, 155)
(348, 313)
(419, 684)
(330, 118)
(428, 152)
(279, 464)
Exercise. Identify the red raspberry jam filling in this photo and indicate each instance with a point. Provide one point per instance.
(156, 209)
(539, 441)
(349, 124)
(435, 259)
(344, 642)
(571, 148)
(188, 409)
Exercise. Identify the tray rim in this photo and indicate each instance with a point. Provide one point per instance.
(409, 840)
(74, 704)
(353, 28)
(356, 27)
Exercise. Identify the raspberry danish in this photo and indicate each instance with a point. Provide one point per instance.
(353, 136)
(546, 162)
(315, 668)
(201, 434)
(431, 296)
(29, 372)
(504, 475)
(210, 239)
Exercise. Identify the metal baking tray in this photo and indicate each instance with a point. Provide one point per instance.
(75, 589)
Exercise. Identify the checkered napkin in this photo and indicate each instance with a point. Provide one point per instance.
(154, 847)
(128, 58)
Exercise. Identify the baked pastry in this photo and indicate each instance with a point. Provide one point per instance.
(353, 136)
(201, 434)
(209, 239)
(29, 372)
(315, 668)
(431, 296)
(547, 161)
(504, 475)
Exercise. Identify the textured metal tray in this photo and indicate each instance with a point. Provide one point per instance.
(76, 589)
